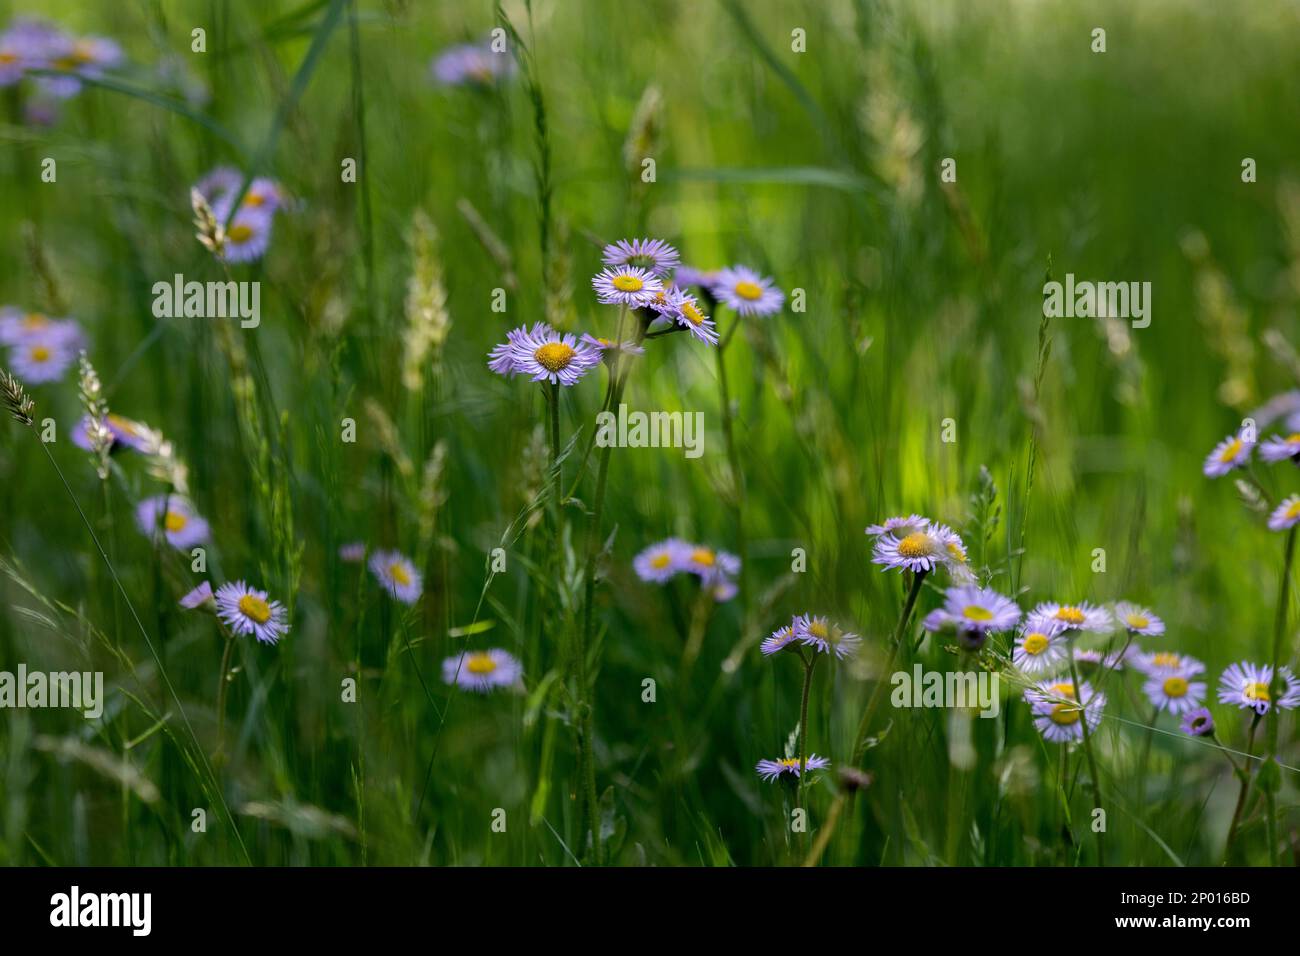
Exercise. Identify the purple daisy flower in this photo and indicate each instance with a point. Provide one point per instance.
(1176, 692)
(771, 770)
(26, 328)
(1248, 686)
(24, 46)
(686, 277)
(1232, 452)
(547, 355)
(662, 561)
(471, 64)
(746, 292)
(1285, 515)
(502, 357)
(483, 671)
(609, 349)
(246, 610)
(353, 552)
(1164, 662)
(1198, 722)
(125, 432)
(1073, 617)
(1138, 620)
(724, 589)
(1057, 709)
(827, 638)
(781, 638)
(248, 235)
(201, 596)
(86, 57)
(654, 255)
(627, 285)
(1280, 448)
(397, 575)
(182, 526)
(43, 361)
(1039, 649)
(685, 311)
(711, 565)
(970, 608)
(900, 527)
(918, 550)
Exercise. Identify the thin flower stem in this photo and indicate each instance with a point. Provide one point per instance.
(1278, 685)
(1087, 752)
(221, 696)
(860, 745)
(1245, 789)
(737, 496)
(809, 665)
(1146, 755)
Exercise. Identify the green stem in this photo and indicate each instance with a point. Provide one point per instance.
(1087, 752)
(737, 494)
(1275, 691)
(808, 666)
(860, 747)
(221, 696)
(1245, 790)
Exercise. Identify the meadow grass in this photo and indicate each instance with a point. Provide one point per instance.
(923, 304)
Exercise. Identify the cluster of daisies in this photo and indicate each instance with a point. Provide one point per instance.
(814, 631)
(474, 65)
(55, 61)
(1047, 642)
(248, 233)
(645, 276)
(41, 348)
(716, 570)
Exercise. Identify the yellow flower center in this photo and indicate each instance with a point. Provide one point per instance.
(481, 664)
(976, 613)
(124, 424)
(628, 283)
(1065, 714)
(749, 290)
(6, 57)
(692, 314)
(790, 762)
(1175, 687)
(1070, 615)
(34, 320)
(703, 556)
(175, 521)
(1231, 451)
(1166, 659)
(1256, 691)
(554, 356)
(1137, 622)
(397, 571)
(1293, 438)
(240, 232)
(661, 560)
(1035, 644)
(916, 545)
(254, 607)
(40, 354)
(818, 629)
(955, 550)
(1293, 510)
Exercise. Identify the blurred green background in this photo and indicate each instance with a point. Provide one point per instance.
(924, 303)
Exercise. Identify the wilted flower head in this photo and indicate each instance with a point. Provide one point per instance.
(246, 610)
(1198, 722)
(1232, 452)
(654, 255)
(483, 671)
(397, 575)
(747, 292)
